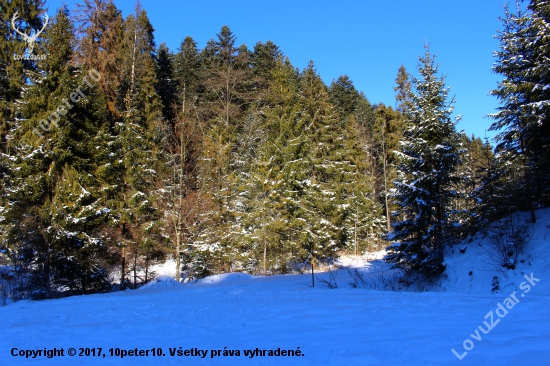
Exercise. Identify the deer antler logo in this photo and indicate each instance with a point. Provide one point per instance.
(28, 38)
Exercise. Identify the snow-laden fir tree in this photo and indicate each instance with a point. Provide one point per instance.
(266, 236)
(308, 193)
(427, 162)
(538, 76)
(338, 200)
(382, 135)
(523, 59)
(142, 154)
(225, 98)
(181, 205)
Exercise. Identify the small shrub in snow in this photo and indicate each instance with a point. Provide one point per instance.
(331, 282)
(358, 279)
(495, 284)
(507, 240)
(377, 279)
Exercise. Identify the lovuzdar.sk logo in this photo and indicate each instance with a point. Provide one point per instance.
(29, 39)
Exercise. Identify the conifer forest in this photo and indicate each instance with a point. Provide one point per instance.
(118, 153)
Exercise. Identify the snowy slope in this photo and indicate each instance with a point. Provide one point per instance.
(536, 259)
(343, 326)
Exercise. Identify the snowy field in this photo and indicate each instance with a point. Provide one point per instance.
(236, 314)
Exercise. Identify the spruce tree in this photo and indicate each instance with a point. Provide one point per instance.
(538, 106)
(268, 241)
(359, 207)
(308, 193)
(229, 98)
(187, 76)
(339, 188)
(186, 139)
(58, 204)
(479, 173)
(344, 95)
(141, 143)
(166, 85)
(14, 74)
(521, 120)
(428, 159)
(403, 91)
(264, 59)
(387, 131)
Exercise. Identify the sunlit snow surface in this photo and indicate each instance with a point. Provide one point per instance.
(343, 326)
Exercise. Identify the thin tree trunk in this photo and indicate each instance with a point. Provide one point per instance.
(356, 217)
(123, 269)
(47, 266)
(133, 62)
(527, 178)
(178, 249)
(388, 222)
(440, 242)
(146, 267)
(312, 264)
(135, 270)
(228, 96)
(265, 256)
(183, 157)
(529, 195)
(440, 245)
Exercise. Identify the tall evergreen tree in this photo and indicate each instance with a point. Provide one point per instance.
(538, 76)
(522, 119)
(101, 27)
(229, 95)
(387, 131)
(480, 192)
(403, 90)
(344, 95)
(340, 192)
(28, 17)
(228, 79)
(13, 72)
(308, 193)
(268, 240)
(187, 74)
(428, 160)
(182, 207)
(264, 59)
(141, 143)
(166, 84)
(58, 204)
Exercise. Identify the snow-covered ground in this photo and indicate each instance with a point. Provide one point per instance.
(321, 326)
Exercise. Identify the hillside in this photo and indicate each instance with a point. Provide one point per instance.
(343, 326)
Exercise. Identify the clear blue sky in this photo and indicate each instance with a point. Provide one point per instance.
(367, 40)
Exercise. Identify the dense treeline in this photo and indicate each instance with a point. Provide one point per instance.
(118, 154)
